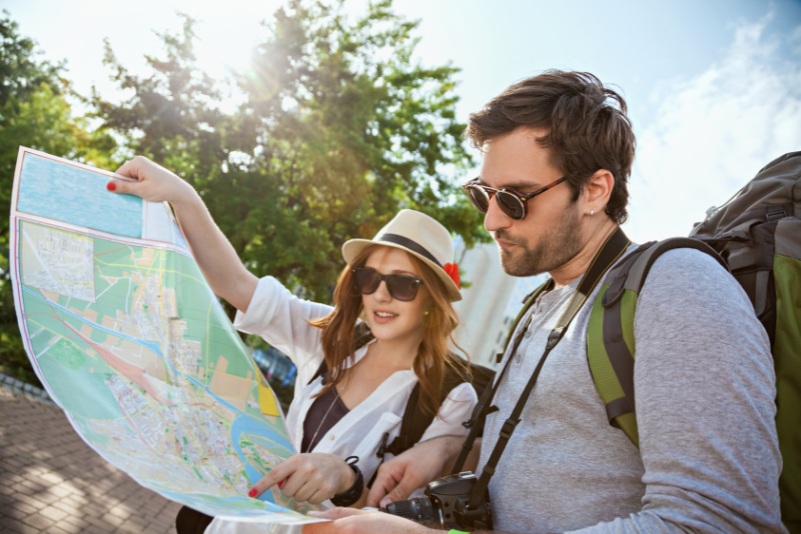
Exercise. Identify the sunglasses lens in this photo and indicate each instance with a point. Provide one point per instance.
(478, 197)
(366, 280)
(510, 205)
(402, 287)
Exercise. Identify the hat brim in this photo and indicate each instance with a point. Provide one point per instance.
(352, 248)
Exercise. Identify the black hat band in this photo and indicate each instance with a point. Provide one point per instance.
(411, 245)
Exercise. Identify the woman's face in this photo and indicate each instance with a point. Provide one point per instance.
(389, 318)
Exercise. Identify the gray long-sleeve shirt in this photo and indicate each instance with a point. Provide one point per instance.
(704, 383)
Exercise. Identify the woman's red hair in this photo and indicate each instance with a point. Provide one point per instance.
(433, 357)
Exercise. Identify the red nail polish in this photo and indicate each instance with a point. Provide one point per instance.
(111, 186)
(281, 484)
(252, 493)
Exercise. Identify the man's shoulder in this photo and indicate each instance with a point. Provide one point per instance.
(691, 279)
(688, 263)
(689, 266)
(684, 268)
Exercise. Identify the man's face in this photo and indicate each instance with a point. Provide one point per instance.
(550, 234)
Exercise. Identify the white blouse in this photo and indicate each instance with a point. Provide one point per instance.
(281, 319)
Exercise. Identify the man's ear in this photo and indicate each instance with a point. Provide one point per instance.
(597, 190)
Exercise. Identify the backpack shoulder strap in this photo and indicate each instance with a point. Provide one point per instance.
(415, 421)
(321, 371)
(610, 335)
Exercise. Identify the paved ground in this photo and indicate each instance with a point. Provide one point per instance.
(51, 481)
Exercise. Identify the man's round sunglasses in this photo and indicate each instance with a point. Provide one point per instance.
(400, 286)
(511, 202)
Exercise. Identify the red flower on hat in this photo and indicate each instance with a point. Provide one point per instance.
(452, 270)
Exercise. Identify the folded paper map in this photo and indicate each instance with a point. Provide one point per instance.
(128, 339)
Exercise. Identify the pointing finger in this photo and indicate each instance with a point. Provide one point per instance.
(276, 476)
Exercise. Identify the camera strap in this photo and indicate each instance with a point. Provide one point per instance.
(483, 407)
(610, 252)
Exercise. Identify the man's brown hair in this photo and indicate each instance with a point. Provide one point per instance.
(586, 124)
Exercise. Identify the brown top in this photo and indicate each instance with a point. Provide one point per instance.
(324, 413)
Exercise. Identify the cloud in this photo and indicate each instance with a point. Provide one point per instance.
(712, 133)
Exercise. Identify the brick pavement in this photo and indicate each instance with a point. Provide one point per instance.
(51, 481)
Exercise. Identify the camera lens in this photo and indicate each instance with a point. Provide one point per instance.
(420, 510)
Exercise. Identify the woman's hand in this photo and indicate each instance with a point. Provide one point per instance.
(216, 257)
(311, 478)
(154, 182)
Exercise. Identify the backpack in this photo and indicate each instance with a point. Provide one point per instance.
(757, 237)
(415, 421)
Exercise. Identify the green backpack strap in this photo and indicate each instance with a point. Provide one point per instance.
(610, 335)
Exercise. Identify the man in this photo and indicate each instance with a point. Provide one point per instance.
(708, 459)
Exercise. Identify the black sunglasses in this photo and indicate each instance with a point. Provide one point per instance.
(400, 286)
(511, 202)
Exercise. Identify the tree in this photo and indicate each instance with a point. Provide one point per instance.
(340, 129)
(33, 113)
(170, 117)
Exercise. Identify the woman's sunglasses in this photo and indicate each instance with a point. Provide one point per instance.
(511, 202)
(400, 286)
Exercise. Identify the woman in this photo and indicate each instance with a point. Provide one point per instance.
(400, 283)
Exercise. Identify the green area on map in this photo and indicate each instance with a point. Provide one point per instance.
(138, 351)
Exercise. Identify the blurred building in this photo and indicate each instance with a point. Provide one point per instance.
(490, 304)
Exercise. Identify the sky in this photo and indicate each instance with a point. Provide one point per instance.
(713, 87)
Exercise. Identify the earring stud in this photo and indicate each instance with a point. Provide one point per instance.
(592, 212)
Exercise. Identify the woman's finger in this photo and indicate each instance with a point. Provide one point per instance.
(133, 168)
(317, 489)
(277, 475)
(319, 496)
(305, 482)
(305, 491)
(125, 188)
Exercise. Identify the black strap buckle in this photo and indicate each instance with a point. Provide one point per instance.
(554, 337)
(508, 428)
(382, 449)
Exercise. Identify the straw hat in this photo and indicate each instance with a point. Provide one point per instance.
(419, 235)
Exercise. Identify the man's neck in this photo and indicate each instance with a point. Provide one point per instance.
(577, 266)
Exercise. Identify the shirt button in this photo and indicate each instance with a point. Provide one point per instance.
(528, 333)
(331, 437)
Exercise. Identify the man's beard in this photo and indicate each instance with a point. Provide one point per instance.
(554, 249)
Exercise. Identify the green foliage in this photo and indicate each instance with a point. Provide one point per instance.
(20, 73)
(33, 113)
(29, 106)
(338, 128)
(170, 115)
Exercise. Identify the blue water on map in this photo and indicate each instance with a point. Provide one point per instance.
(243, 423)
(147, 344)
(78, 196)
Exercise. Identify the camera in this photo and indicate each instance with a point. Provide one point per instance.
(445, 504)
